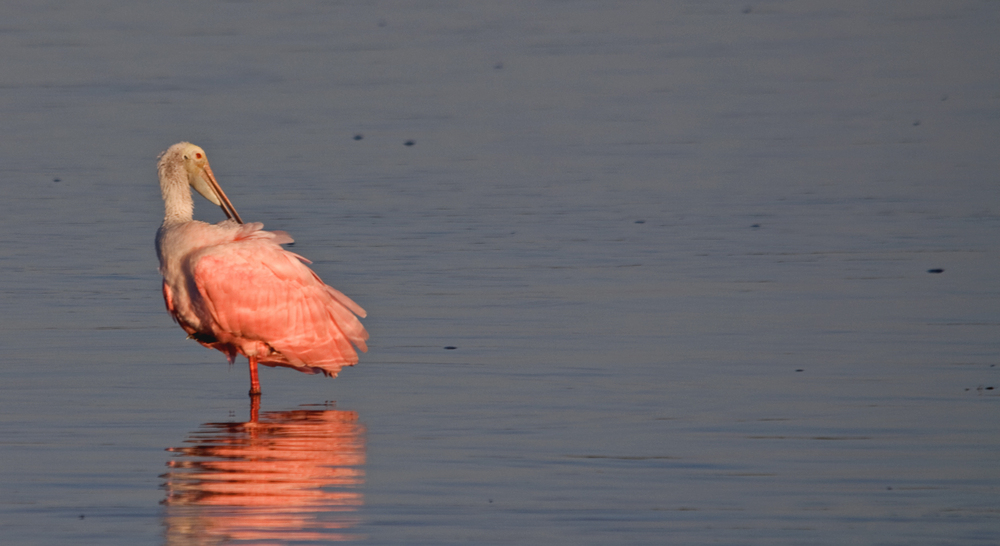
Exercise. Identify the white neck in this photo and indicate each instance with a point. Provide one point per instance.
(177, 201)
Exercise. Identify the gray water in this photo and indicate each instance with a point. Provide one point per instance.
(690, 272)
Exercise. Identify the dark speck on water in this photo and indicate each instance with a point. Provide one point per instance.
(57, 180)
(359, 136)
(409, 143)
(640, 221)
(450, 348)
(936, 270)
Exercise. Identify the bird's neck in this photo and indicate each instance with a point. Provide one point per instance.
(177, 201)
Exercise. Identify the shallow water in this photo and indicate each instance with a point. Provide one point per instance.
(284, 476)
(684, 253)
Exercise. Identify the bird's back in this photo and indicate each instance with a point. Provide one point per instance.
(249, 295)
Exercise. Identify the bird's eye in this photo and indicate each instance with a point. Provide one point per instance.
(198, 155)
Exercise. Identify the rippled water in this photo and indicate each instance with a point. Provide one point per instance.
(636, 272)
(285, 476)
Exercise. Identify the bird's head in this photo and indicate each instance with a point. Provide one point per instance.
(200, 175)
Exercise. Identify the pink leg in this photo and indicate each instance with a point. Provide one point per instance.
(254, 382)
(254, 408)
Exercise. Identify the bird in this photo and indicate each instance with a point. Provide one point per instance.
(232, 287)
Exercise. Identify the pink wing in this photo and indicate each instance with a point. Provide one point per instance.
(265, 301)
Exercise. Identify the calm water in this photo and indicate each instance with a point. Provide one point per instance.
(648, 273)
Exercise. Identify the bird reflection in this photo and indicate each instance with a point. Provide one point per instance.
(281, 477)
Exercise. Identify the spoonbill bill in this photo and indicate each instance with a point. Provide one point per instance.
(232, 287)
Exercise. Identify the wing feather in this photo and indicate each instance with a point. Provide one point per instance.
(258, 293)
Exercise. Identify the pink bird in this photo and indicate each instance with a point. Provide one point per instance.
(232, 287)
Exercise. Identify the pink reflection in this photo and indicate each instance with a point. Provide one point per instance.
(280, 477)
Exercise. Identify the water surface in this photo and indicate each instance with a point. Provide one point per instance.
(647, 273)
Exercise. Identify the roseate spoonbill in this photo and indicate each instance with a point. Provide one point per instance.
(232, 287)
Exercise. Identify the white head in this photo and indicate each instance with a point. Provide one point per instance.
(189, 162)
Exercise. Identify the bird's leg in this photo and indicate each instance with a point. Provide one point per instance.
(254, 382)
(254, 408)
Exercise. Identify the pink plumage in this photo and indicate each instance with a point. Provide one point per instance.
(232, 287)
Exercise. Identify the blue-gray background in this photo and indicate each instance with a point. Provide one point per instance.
(681, 248)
